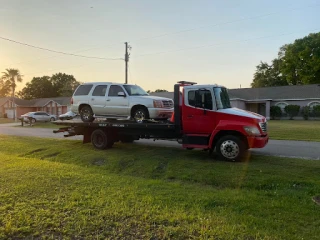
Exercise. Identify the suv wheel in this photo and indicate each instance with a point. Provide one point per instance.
(86, 114)
(140, 114)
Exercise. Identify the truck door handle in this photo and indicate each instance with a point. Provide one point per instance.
(108, 100)
(190, 116)
(92, 99)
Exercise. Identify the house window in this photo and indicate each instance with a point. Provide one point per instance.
(312, 104)
(282, 105)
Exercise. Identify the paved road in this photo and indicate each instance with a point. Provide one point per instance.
(296, 149)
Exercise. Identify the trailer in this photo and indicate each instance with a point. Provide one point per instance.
(202, 118)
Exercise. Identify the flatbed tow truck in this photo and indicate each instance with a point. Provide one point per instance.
(202, 118)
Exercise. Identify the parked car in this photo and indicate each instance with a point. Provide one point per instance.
(37, 117)
(68, 115)
(115, 100)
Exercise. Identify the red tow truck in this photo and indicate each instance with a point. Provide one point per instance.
(203, 118)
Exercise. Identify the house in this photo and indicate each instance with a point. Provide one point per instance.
(17, 107)
(260, 100)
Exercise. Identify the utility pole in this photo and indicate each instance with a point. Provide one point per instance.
(126, 59)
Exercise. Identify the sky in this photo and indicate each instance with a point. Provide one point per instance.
(204, 41)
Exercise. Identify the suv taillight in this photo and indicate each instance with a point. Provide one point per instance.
(71, 101)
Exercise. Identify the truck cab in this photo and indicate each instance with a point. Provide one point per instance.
(207, 120)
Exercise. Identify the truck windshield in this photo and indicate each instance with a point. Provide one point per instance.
(222, 98)
(134, 90)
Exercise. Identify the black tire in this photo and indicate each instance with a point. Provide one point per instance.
(52, 119)
(33, 120)
(231, 148)
(139, 114)
(86, 114)
(101, 140)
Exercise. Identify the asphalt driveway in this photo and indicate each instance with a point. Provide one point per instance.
(294, 149)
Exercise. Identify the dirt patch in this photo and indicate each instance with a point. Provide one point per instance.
(33, 151)
(50, 155)
(316, 199)
(98, 161)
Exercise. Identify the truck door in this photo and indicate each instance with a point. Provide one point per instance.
(98, 99)
(198, 111)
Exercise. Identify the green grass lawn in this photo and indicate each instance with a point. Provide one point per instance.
(6, 120)
(299, 130)
(62, 189)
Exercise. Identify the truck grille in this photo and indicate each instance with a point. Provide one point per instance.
(167, 103)
(263, 126)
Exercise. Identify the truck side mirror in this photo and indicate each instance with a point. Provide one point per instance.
(121, 94)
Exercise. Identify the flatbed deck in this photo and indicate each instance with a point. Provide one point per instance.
(117, 124)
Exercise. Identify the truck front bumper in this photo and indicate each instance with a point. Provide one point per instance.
(258, 142)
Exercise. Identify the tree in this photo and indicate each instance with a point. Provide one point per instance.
(39, 87)
(297, 63)
(57, 85)
(268, 75)
(301, 60)
(160, 90)
(4, 89)
(9, 79)
(64, 84)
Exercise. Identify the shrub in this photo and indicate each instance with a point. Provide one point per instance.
(5, 115)
(316, 111)
(306, 112)
(275, 112)
(292, 110)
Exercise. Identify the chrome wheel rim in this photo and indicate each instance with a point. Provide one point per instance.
(86, 114)
(139, 116)
(229, 149)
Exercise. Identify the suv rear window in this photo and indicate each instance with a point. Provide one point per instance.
(83, 90)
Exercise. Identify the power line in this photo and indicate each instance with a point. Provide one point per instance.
(50, 50)
(223, 23)
(157, 36)
(217, 44)
(43, 58)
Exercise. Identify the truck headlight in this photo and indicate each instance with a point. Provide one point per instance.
(252, 131)
(157, 104)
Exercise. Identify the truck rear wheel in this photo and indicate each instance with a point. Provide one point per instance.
(231, 148)
(101, 140)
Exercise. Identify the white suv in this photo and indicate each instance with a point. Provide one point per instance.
(115, 100)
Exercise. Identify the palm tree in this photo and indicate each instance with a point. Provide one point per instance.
(9, 78)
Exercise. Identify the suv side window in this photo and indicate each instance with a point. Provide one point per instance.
(83, 90)
(195, 98)
(100, 90)
(114, 89)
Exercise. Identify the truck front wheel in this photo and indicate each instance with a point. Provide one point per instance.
(231, 148)
(100, 139)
